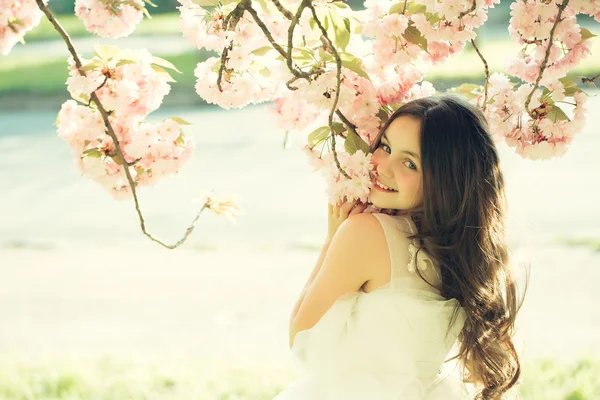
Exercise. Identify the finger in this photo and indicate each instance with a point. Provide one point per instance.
(347, 207)
(358, 209)
(336, 210)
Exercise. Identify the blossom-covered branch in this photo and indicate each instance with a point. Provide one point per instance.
(487, 74)
(118, 150)
(558, 20)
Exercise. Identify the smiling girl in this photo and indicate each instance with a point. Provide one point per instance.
(396, 295)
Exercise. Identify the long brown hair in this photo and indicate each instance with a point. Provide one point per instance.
(461, 226)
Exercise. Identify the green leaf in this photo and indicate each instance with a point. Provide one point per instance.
(545, 94)
(568, 82)
(150, 2)
(263, 5)
(266, 72)
(414, 8)
(570, 86)
(382, 115)
(180, 121)
(261, 51)
(215, 68)
(432, 18)
(396, 8)
(318, 135)
(206, 3)
(556, 114)
(353, 63)
(180, 141)
(338, 127)
(467, 90)
(586, 34)
(340, 28)
(570, 92)
(304, 54)
(91, 65)
(356, 25)
(413, 35)
(339, 4)
(353, 143)
(161, 71)
(411, 8)
(95, 153)
(124, 61)
(313, 24)
(164, 63)
(106, 53)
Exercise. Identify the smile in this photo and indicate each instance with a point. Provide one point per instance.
(383, 188)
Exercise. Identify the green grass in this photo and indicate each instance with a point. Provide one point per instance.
(160, 24)
(37, 75)
(593, 244)
(552, 380)
(109, 379)
(468, 65)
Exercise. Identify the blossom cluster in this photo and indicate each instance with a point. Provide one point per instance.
(546, 133)
(110, 18)
(385, 51)
(541, 129)
(358, 166)
(17, 18)
(129, 84)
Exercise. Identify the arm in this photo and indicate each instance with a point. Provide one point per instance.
(346, 267)
(336, 215)
(310, 279)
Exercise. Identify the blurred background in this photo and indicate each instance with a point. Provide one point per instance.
(91, 309)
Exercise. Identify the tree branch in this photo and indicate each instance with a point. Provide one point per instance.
(590, 80)
(346, 121)
(473, 6)
(487, 74)
(223, 64)
(247, 4)
(561, 8)
(112, 134)
(299, 74)
(338, 62)
(286, 13)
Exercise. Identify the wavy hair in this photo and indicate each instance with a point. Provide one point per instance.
(461, 226)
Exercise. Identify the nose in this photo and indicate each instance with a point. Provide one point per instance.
(381, 167)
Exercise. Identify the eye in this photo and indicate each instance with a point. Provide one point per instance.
(413, 166)
(385, 148)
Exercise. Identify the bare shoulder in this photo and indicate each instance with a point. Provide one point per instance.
(362, 238)
(362, 228)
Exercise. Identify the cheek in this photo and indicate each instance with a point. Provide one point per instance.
(375, 158)
(409, 180)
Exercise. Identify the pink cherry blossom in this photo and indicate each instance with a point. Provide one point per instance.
(110, 18)
(16, 19)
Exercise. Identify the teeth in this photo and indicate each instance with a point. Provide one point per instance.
(381, 185)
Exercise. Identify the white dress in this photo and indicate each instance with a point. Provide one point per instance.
(389, 343)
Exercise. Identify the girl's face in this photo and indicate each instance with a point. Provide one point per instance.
(396, 168)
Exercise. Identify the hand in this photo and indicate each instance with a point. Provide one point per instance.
(338, 213)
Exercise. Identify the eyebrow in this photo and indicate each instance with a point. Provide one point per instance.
(404, 151)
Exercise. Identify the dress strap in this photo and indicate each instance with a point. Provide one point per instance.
(404, 263)
(404, 260)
